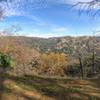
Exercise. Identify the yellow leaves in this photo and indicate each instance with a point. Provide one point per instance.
(54, 61)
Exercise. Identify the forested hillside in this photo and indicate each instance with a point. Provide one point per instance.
(64, 68)
(79, 56)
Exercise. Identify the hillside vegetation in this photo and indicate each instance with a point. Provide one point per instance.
(65, 68)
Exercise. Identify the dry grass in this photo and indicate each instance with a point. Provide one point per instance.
(39, 88)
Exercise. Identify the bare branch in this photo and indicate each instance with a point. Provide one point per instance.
(2, 10)
(91, 6)
(11, 31)
(1, 13)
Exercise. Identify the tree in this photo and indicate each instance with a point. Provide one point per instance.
(93, 49)
(6, 62)
(84, 49)
(75, 48)
(2, 10)
(1, 13)
(80, 52)
(53, 63)
(21, 54)
(11, 31)
(90, 6)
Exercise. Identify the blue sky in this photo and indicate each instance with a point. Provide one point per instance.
(47, 18)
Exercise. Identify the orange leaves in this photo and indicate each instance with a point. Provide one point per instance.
(20, 53)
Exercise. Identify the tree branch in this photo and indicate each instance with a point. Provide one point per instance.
(89, 6)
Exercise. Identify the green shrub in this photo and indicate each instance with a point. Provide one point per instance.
(6, 61)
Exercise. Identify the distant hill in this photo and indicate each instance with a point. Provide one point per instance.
(45, 44)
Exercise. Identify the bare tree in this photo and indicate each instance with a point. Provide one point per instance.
(11, 31)
(1, 13)
(3, 10)
(76, 49)
(94, 47)
(91, 7)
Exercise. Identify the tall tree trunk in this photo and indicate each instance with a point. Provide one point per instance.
(93, 61)
(81, 67)
(2, 79)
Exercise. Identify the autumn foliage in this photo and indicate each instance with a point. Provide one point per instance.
(53, 63)
(21, 54)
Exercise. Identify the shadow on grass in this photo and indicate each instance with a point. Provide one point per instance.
(50, 87)
(96, 82)
(17, 95)
(2, 79)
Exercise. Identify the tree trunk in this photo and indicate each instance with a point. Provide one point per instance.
(93, 62)
(2, 79)
(81, 68)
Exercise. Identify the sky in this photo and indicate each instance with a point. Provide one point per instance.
(47, 18)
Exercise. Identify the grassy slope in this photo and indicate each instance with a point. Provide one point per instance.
(39, 88)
